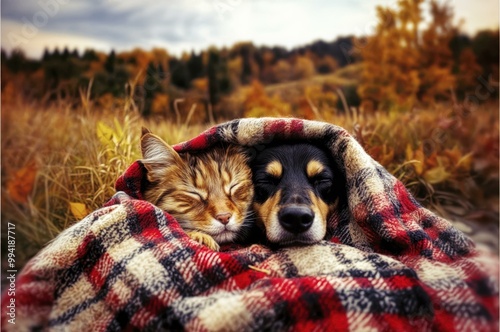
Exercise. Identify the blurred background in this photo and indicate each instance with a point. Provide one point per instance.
(415, 81)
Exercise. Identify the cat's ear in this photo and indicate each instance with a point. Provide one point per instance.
(145, 131)
(158, 156)
(153, 147)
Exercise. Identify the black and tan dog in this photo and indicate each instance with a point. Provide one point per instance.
(294, 192)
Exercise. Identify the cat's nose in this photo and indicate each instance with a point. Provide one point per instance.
(223, 217)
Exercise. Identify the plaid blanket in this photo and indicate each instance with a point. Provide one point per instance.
(387, 264)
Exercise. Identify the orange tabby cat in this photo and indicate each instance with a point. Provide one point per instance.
(209, 192)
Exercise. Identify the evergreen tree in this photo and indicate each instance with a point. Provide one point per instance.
(458, 43)
(3, 56)
(485, 46)
(17, 61)
(162, 73)
(279, 53)
(110, 63)
(212, 67)
(89, 55)
(219, 79)
(65, 54)
(56, 55)
(75, 54)
(117, 81)
(152, 85)
(46, 55)
(195, 66)
(179, 73)
(246, 52)
(224, 80)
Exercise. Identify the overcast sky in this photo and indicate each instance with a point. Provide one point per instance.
(184, 25)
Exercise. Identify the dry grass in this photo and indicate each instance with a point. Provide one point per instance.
(75, 163)
(447, 158)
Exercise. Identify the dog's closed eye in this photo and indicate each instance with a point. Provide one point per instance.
(323, 184)
(265, 186)
(319, 176)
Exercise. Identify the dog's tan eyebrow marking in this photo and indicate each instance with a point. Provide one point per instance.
(274, 168)
(313, 168)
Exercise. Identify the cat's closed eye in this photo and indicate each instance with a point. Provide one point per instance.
(198, 196)
(239, 191)
(209, 193)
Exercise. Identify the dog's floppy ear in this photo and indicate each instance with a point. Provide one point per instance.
(158, 156)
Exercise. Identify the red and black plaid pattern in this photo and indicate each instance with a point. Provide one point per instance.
(388, 263)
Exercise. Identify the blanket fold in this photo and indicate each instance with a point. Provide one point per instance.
(386, 264)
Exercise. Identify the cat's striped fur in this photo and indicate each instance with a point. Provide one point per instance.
(209, 192)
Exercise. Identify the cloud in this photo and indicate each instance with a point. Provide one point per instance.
(196, 24)
(122, 24)
(35, 43)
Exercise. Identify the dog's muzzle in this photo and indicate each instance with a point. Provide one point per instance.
(296, 219)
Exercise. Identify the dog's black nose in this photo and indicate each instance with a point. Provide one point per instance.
(296, 219)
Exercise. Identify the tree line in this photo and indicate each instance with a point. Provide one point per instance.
(62, 74)
(403, 64)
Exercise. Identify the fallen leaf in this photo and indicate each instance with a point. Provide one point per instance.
(20, 186)
(418, 156)
(436, 175)
(79, 210)
(465, 162)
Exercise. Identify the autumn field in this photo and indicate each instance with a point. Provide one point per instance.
(422, 99)
(60, 163)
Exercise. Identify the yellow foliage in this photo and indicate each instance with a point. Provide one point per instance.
(257, 103)
(402, 67)
(104, 133)
(417, 156)
(235, 67)
(200, 85)
(465, 162)
(160, 104)
(457, 159)
(282, 71)
(258, 112)
(303, 68)
(324, 100)
(79, 210)
(436, 175)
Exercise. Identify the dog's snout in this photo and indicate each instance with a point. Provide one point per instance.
(299, 199)
(296, 218)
